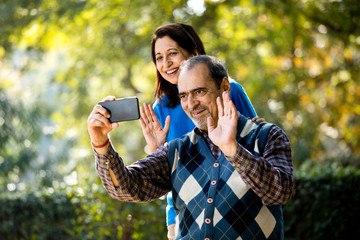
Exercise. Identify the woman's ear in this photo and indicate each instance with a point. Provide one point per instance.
(195, 52)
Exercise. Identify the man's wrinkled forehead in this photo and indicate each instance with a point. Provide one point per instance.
(197, 72)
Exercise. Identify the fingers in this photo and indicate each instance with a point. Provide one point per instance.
(151, 113)
(114, 125)
(141, 120)
(98, 109)
(220, 107)
(167, 124)
(258, 119)
(210, 124)
(146, 113)
(229, 108)
(142, 115)
(98, 120)
(99, 116)
(109, 98)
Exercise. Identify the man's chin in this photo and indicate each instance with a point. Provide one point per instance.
(201, 125)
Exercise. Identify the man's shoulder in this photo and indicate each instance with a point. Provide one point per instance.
(260, 134)
(276, 131)
(265, 128)
(269, 132)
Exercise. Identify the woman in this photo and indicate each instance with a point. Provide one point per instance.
(172, 44)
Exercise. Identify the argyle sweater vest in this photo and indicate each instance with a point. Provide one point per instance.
(210, 197)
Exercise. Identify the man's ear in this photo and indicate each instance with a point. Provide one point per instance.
(225, 85)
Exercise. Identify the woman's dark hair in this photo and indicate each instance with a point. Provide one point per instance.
(186, 37)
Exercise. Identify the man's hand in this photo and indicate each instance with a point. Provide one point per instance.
(224, 135)
(99, 125)
(154, 134)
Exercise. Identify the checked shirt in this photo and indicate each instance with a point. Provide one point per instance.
(245, 191)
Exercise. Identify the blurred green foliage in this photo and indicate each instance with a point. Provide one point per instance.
(325, 205)
(298, 61)
(323, 208)
(72, 215)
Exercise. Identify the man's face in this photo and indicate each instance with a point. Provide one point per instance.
(198, 93)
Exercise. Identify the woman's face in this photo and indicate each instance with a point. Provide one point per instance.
(169, 56)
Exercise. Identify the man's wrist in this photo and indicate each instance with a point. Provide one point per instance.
(100, 145)
(230, 150)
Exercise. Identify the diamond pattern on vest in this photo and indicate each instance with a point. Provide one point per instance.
(189, 189)
(236, 212)
(266, 221)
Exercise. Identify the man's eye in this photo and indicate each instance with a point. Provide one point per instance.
(183, 97)
(199, 92)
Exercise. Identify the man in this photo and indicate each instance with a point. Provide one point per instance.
(229, 176)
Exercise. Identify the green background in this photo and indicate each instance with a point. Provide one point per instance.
(299, 62)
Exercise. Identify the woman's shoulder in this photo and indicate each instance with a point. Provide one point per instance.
(161, 102)
(235, 86)
(160, 107)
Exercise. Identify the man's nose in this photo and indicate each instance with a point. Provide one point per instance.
(192, 102)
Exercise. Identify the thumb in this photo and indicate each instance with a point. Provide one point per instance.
(167, 124)
(210, 124)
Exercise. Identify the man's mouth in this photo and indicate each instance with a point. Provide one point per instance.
(197, 112)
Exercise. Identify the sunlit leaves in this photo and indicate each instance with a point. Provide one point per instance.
(297, 60)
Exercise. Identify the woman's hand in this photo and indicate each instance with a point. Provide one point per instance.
(258, 119)
(154, 134)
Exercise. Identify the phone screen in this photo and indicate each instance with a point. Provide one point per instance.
(122, 109)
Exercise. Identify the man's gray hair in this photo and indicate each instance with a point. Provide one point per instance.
(216, 68)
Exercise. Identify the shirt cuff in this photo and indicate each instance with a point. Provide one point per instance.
(241, 158)
(104, 160)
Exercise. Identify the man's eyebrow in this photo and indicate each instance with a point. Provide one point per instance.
(199, 88)
(193, 90)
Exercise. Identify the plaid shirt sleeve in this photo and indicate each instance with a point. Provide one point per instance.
(269, 176)
(142, 181)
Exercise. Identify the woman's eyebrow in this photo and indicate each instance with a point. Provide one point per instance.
(169, 49)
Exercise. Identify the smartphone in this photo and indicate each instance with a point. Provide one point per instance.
(122, 109)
